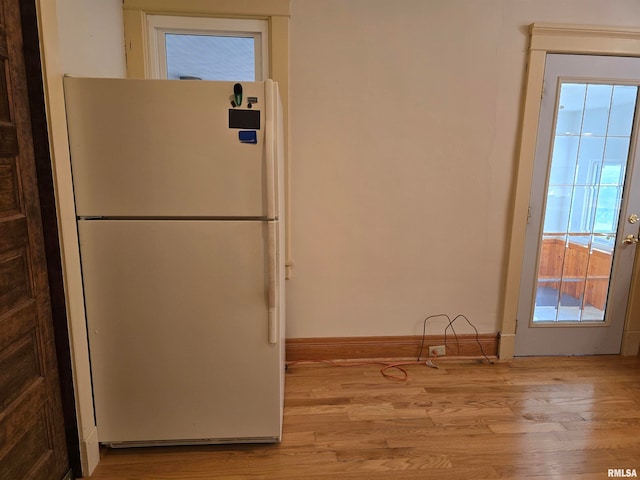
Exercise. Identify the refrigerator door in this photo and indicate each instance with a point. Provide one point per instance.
(167, 148)
(179, 331)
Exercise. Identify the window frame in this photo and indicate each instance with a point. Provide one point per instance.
(160, 25)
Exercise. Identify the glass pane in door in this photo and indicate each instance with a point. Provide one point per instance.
(584, 196)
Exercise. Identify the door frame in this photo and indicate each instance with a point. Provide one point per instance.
(66, 221)
(570, 39)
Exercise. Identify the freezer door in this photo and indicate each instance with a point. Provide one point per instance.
(163, 148)
(177, 316)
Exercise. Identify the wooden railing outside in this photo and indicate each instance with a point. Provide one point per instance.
(576, 270)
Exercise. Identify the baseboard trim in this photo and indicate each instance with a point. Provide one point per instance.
(348, 348)
(89, 451)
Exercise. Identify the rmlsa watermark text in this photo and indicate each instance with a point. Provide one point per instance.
(622, 473)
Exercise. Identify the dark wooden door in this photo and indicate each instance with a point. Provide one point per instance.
(32, 442)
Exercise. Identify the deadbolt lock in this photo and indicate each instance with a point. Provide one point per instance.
(633, 218)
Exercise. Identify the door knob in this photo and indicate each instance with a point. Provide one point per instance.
(629, 240)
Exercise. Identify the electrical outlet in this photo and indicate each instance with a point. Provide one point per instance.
(437, 351)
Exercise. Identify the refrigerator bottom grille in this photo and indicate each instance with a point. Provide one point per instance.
(199, 441)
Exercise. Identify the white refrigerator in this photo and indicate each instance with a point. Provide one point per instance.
(178, 191)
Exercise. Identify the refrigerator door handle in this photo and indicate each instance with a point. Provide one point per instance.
(270, 147)
(272, 241)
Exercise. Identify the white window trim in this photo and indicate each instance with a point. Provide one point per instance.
(159, 25)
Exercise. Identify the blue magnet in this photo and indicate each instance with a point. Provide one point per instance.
(248, 136)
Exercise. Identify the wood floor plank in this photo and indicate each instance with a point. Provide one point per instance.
(526, 427)
(568, 418)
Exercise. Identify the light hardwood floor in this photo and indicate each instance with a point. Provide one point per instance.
(563, 418)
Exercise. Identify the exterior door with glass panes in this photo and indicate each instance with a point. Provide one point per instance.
(584, 208)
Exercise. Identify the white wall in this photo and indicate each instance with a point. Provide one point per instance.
(404, 129)
(91, 35)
